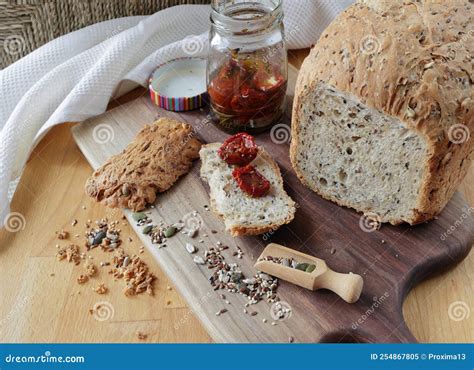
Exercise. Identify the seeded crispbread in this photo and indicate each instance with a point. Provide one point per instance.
(150, 164)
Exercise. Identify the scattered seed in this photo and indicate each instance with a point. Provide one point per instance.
(274, 323)
(170, 231)
(138, 216)
(74, 222)
(147, 229)
(254, 313)
(191, 248)
(199, 260)
(97, 239)
(141, 336)
(126, 261)
(264, 321)
(220, 312)
(333, 250)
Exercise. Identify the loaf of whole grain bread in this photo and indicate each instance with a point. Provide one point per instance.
(384, 108)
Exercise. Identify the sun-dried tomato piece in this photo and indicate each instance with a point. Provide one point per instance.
(239, 149)
(251, 181)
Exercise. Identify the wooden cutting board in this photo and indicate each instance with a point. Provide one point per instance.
(391, 260)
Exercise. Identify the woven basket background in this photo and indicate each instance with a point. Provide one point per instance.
(27, 24)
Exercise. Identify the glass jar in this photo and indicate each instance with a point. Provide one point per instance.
(247, 67)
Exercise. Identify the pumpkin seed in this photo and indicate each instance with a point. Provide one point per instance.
(302, 266)
(147, 229)
(170, 231)
(99, 237)
(138, 216)
(310, 268)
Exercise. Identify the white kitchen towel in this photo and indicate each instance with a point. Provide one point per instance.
(73, 77)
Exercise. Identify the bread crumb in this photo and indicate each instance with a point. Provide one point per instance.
(82, 279)
(101, 289)
(91, 270)
(70, 253)
(141, 336)
(62, 235)
(134, 271)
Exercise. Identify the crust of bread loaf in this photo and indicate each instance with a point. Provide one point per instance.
(257, 230)
(421, 73)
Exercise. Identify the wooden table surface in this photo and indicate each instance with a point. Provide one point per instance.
(42, 302)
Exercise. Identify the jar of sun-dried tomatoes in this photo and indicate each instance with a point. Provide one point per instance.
(247, 67)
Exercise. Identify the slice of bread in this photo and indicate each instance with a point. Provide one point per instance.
(383, 114)
(242, 214)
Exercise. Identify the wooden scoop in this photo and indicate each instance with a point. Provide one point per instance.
(347, 286)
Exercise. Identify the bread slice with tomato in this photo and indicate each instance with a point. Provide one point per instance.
(248, 194)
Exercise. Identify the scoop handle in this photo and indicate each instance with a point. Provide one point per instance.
(346, 286)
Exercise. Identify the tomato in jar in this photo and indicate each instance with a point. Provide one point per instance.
(247, 89)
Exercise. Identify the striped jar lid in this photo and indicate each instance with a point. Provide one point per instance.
(179, 85)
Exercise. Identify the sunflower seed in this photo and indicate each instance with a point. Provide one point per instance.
(98, 237)
(220, 312)
(199, 260)
(191, 248)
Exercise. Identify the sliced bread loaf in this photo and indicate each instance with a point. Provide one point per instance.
(384, 108)
(242, 214)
